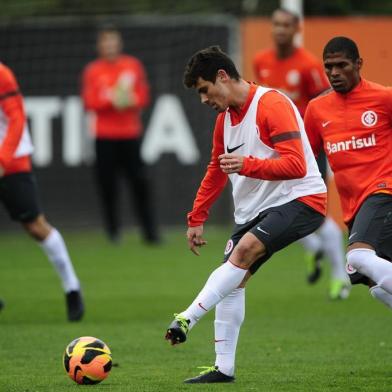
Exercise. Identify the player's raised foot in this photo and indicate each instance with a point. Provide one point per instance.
(209, 375)
(75, 306)
(339, 289)
(178, 329)
(313, 266)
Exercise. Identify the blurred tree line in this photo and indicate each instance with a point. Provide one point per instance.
(11, 9)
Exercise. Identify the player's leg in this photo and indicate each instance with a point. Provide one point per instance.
(139, 186)
(313, 243)
(229, 316)
(280, 227)
(250, 248)
(332, 240)
(381, 295)
(313, 256)
(52, 243)
(369, 252)
(220, 283)
(216, 287)
(19, 194)
(107, 181)
(284, 227)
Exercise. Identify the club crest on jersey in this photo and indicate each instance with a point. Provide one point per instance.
(229, 246)
(369, 118)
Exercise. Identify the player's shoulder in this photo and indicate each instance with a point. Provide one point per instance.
(375, 93)
(323, 100)
(7, 76)
(5, 71)
(93, 66)
(130, 60)
(368, 85)
(272, 97)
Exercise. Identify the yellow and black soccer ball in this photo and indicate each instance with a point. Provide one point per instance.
(87, 360)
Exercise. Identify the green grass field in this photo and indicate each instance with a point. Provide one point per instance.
(293, 338)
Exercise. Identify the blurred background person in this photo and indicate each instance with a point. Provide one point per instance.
(19, 192)
(115, 89)
(300, 75)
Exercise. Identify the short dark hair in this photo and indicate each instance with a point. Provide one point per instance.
(344, 45)
(294, 15)
(205, 64)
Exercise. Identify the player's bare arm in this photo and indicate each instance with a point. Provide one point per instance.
(195, 238)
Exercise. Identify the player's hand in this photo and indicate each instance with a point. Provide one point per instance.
(121, 97)
(230, 163)
(195, 239)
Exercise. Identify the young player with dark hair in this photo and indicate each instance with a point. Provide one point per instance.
(260, 145)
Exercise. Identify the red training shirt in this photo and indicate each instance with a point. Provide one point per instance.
(355, 130)
(99, 79)
(300, 76)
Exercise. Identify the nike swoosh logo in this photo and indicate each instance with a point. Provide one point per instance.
(263, 231)
(324, 124)
(202, 306)
(352, 235)
(230, 150)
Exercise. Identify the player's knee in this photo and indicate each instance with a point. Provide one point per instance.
(39, 228)
(247, 251)
(357, 258)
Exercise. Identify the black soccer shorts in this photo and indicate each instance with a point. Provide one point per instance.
(19, 194)
(372, 225)
(277, 227)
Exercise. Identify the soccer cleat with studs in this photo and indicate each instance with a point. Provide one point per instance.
(75, 306)
(209, 375)
(313, 262)
(178, 329)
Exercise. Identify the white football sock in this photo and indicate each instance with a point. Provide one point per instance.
(311, 242)
(369, 264)
(333, 247)
(380, 294)
(229, 315)
(221, 282)
(56, 251)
